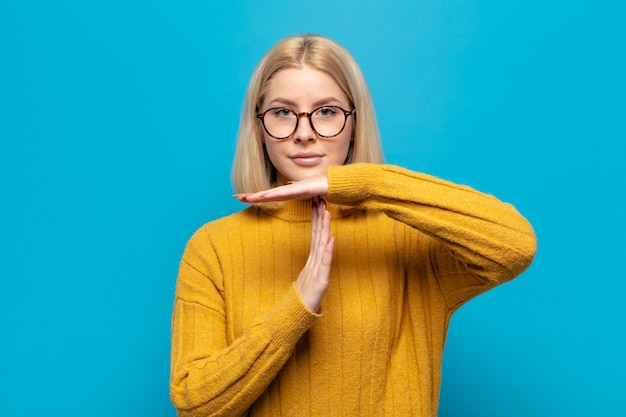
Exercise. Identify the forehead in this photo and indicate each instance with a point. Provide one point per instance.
(303, 86)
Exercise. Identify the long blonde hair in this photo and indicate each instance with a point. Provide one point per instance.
(252, 169)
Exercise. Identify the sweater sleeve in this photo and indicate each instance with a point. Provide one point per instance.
(210, 375)
(479, 241)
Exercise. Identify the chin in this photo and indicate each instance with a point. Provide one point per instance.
(312, 173)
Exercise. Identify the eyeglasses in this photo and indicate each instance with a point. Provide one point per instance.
(326, 121)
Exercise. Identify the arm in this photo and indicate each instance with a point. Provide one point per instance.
(209, 375)
(490, 237)
(478, 241)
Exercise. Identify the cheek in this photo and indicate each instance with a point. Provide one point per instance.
(343, 147)
(339, 152)
(272, 150)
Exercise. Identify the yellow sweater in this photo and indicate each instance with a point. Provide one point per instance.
(412, 249)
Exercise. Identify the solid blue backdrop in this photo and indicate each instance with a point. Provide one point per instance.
(117, 128)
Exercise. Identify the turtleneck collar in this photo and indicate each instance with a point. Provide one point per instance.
(299, 210)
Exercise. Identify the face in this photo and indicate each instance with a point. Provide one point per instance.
(305, 154)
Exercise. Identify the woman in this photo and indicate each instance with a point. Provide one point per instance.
(280, 310)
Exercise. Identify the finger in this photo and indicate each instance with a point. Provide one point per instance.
(318, 238)
(284, 192)
(326, 253)
(316, 225)
(319, 220)
(295, 190)
(327, 259)
(322, 222)
(327, 235)
(322, 234)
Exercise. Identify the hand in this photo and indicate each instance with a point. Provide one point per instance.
(315, 276)
(296, 190)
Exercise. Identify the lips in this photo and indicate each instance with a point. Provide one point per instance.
(306, 159)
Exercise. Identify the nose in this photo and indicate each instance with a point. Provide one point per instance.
(304, 129)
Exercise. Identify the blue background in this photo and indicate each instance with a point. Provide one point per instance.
(117, 126)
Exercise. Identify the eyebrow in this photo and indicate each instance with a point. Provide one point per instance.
(325, 101)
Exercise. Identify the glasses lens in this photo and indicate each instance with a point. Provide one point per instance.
(328, 121)
(280, 122)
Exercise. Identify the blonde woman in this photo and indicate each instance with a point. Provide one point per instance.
(331, 294)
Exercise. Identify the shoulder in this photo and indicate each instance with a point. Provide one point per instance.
(218, 236)
(230, 223)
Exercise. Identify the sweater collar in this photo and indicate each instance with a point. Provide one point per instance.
(299, 210)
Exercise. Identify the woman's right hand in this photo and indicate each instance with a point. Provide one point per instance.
(315, 276)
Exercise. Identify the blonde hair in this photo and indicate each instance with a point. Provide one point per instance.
(252, 169)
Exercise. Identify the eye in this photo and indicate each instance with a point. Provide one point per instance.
(327, 111)
(282, 112)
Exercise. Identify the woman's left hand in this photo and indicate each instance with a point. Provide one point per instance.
(296, 190)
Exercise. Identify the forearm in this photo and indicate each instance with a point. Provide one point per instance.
(489, 236)
(210, 376)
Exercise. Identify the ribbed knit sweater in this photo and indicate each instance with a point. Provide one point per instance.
(409, 250)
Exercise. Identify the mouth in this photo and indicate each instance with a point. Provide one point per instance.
(306, 159)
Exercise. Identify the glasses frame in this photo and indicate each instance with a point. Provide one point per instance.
(308, 115)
